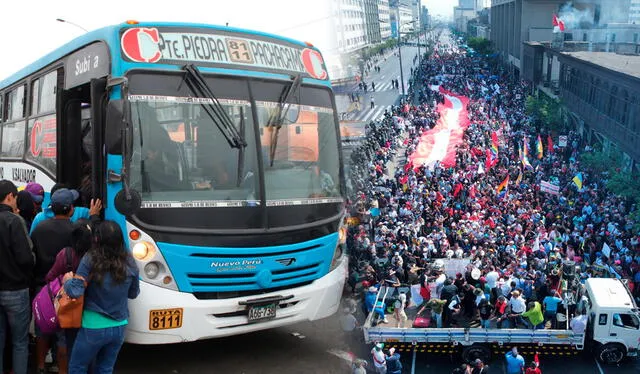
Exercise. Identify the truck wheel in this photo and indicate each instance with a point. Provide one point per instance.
(474, 351)
(610, 353)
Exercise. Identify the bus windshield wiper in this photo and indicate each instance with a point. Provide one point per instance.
(283, 108)
(214, 110)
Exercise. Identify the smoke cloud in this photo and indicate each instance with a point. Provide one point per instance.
(575, 18)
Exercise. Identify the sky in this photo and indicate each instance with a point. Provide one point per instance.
(440, 7)
(30, 29)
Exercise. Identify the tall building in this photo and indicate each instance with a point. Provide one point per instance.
(467, 4)
(372, 21)
(634, 12)
(516, 21)
(424, 18)
(350, 25)
(384, 19)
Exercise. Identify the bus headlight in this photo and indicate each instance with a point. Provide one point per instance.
(337, 257)
(342, 235)
(151, 270)
(151, 264)
(143, 251)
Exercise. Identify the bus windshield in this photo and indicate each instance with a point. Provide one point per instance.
(180, 157)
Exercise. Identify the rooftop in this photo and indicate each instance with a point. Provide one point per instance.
(625, 64)
(609, 292)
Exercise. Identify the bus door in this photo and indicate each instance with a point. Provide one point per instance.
(80, 159)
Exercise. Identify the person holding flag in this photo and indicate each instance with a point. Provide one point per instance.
(534, 366)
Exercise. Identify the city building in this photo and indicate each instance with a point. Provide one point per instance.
(350, 23)
(516, 21)
(372, 21)
(384, 19)
(600, 89)
(424, 18)
(634, 12)
(462, 16)
(407, 19)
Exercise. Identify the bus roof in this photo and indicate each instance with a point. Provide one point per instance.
(609, 293)
(109, 34)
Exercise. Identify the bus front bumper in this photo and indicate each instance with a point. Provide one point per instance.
(206, 319)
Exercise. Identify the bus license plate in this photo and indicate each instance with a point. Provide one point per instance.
(262, 312)
(163, 319)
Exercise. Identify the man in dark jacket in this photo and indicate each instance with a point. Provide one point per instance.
(16, 265)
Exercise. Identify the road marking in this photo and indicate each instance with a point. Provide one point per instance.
(382, 77)
(599, 367)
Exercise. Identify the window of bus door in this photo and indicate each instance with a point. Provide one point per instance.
(180, 156)
(13, 129)
(301, 158)
(42, 130)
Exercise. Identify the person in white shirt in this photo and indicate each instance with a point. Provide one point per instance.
(379, 361)
(579, 323)
(399, 312)
(492, 282)
(518, 306)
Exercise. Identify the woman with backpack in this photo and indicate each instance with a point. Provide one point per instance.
(68, 260)
(107, 277)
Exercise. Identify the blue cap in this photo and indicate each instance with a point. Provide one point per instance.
(64, 197)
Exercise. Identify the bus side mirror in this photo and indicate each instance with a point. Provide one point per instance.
(114, 126)
(128, 206)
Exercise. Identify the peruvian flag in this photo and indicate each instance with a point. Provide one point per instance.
(558, 24)
(549, 144)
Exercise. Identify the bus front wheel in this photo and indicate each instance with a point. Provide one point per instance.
(610, 353)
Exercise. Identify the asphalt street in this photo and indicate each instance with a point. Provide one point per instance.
(385, 95)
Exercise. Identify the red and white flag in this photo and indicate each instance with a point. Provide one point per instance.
(558, 24)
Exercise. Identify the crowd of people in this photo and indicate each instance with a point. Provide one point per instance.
(528, 249)
(68, 244)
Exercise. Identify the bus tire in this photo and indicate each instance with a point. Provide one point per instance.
(474, 351)
(610, 353)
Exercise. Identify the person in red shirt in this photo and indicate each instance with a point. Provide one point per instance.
(533, 369)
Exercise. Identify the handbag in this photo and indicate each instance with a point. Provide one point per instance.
(68, 309)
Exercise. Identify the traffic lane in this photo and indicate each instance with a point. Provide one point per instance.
(300, 348)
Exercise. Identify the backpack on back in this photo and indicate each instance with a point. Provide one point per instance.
(44, 311)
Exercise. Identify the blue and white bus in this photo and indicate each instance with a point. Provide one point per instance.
(218, 152)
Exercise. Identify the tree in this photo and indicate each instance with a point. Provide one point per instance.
(546, 113)
(480, 45)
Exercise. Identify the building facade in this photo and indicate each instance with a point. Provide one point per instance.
(516, 21)
(350, 25)
(600, 89)
(384, 19)
(372, 21)
(634, 12)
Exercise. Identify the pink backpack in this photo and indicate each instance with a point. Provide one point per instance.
(44, 311)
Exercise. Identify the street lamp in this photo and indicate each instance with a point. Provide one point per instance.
(400, 46)
(71, 23)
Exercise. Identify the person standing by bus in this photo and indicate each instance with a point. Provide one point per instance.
(16, 265)
(112, 279)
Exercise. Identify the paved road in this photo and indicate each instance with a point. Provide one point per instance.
(385, 96)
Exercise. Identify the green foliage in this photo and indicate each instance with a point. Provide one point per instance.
(546, 113)
(480, 45)
(618, 181)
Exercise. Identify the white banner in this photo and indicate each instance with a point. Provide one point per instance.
(549, 188)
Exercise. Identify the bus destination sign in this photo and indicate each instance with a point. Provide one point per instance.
(221, 49)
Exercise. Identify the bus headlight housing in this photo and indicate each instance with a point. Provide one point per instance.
(151, 263)
(143, 250)
(338, 253)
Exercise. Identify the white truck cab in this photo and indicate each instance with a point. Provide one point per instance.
(614, 319)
